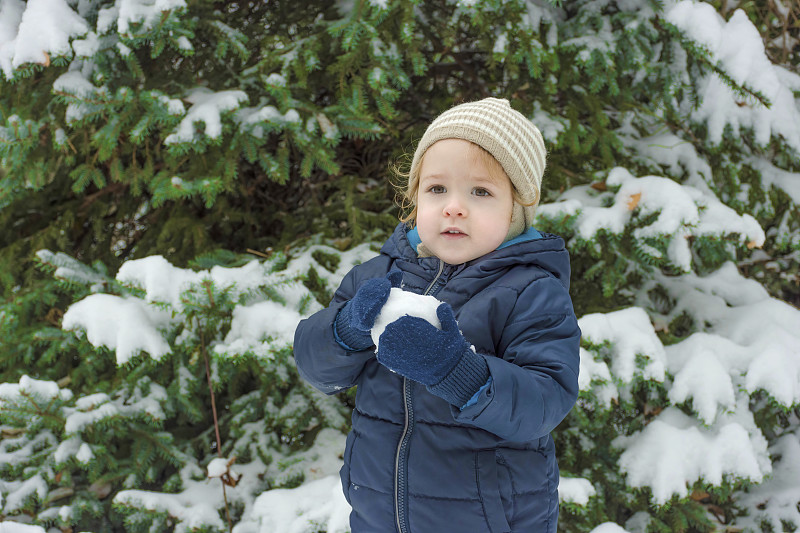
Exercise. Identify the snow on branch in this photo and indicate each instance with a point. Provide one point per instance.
(751, 342)
(190, 513)
(632, 337)
(126, 13)
(27, 386)
(738, 49)
(126, 325)
(774, 502)
(252, 324)
(575, 490)
(36, 31)
(681, 212)
(318, 502)
(674, 451)
(207, 106)
(70, 269)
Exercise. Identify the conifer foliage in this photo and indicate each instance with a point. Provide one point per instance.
(146, 376)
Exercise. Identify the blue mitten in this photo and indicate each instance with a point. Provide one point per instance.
(355, 320)
(440, 359)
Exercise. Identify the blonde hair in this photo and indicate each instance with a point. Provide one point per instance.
(407, 186)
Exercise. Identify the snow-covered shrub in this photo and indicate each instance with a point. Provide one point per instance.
(142, 434)
(679, 390)
(136, 136)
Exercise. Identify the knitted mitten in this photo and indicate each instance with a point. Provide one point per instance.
(440, 359)
(355, 320)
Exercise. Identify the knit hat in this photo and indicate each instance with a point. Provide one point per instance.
(512, 140)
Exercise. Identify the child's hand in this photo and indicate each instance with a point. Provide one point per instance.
(441, 359)
(355, 320)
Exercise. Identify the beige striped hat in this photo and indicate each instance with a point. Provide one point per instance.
(505, 133)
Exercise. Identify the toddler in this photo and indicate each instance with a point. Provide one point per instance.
(451, 428)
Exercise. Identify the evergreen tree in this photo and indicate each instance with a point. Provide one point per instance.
(146, 147)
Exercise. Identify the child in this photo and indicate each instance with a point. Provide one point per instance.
(451, 427)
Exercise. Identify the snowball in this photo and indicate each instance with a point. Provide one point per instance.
(403, 303)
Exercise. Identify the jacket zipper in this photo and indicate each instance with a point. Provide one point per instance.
(400, 462)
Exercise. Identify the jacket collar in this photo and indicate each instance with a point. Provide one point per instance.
(529, 235)
(547, 251)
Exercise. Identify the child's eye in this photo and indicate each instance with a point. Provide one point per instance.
(480, 191)
(437, 189)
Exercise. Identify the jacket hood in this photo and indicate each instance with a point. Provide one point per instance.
(544, 250)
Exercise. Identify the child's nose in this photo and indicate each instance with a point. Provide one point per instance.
(455, 208)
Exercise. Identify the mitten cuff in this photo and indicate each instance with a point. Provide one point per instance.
(461, 384)
(346, 336)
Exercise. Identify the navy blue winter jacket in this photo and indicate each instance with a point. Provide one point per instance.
(412, 462)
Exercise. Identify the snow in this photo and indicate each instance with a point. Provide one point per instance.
(69, 448)
(682, 212)
(75, 84)
(674, 451)
(127, 325)
(253, 324)
(144, 12)
(161, 281)
(595, 376)
(744, 340)
(44, 390)
(775, 501)
(403, 303)
(249, 117)
(703, 377)
(788, 182)
(173, 105)
(737, 46)
(190, 513)
(609, 527)
(207, 107)
(575, 490)
(86, 47)
(633, 336)
(217, 467)
(276, 79)
(80, 420)
(550, 126)
(84, 454)
(15, 527)
(34, 485)
(44, 31)
(675, 154)
(319, 503)
(752, 343)
(10, 16)
(184, 43)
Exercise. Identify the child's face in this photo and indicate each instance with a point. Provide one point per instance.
(463, 205)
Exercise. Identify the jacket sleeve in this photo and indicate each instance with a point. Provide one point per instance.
(535, 382)
(320, 360)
